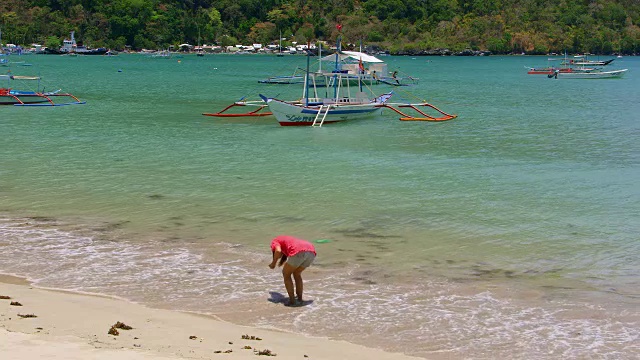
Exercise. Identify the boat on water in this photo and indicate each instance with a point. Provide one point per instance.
(356, 67)
(546, 70)
(582, 60)
(10, 96)
(329, 97)
(549, 69)
(161, 54)
(335, 100)
(70, 47)
(284, 79)
(577, 68)
(316, 110)
(361, 67)
(588, 74)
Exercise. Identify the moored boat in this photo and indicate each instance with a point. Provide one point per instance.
(588, 74)
(317, 111)
(337, 100)
(10, 96)
(550, 68)
(330, 97)
(70, 47)
(546, 70)
(582, 60)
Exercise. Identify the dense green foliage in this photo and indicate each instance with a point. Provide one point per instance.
(501, 26)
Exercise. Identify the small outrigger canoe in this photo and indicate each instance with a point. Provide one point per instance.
(9, 96)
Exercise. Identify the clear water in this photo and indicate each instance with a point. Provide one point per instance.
(510, 231)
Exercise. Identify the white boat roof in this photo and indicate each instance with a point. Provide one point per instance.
(353, 55)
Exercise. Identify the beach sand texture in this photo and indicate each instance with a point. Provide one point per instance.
(75, 326)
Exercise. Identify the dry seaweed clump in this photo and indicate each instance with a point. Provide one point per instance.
(193, 337)
(5, 297)
(247, 337)
(15, 303)
(118, 325)
(24, 316)
(123, 326)
(265, 352)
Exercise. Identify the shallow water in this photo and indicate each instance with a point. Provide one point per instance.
(509, 231)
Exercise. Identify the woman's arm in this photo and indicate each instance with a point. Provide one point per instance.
(277, 254)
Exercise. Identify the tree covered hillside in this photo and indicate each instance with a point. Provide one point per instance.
(402, 26)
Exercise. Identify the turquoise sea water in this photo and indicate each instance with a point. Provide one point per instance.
(509, 232)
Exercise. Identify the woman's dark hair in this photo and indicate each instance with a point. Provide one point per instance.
(283, 258)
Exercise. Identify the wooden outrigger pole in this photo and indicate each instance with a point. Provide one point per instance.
(45, 96)
(424, 117)
(260, 104)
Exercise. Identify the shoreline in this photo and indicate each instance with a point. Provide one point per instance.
(76, 326)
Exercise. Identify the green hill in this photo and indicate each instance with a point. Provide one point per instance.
(402, 26)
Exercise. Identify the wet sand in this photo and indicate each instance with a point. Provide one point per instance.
(45, 323)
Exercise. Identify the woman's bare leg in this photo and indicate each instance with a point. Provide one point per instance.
(297, 276)
(287, 271)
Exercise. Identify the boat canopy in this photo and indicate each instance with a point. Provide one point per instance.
(353, 55)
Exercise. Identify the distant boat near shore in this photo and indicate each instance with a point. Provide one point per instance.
(69, 46)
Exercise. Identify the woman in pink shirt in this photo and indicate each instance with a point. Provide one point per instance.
(296, 255)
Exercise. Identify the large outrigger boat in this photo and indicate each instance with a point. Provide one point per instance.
(10, 96)
(330, 97)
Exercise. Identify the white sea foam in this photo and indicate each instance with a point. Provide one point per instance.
(421, 318)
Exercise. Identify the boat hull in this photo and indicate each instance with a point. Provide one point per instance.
(21, 99)
(592, 74)
(9, 101)
(295, 114)
(84, 51)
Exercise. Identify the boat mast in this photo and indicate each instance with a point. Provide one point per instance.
(336, 70)
(306, 76)
(319, 57)
(360, 72)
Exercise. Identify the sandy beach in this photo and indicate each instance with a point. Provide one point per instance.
(51, 324)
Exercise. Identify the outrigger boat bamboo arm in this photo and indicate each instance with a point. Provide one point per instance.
(261, 105)
(424, 117)
(47, 97)
(50, 102)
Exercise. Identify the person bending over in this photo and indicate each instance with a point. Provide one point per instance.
(296, 255)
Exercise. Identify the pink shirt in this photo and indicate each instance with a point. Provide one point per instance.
(290, 245)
